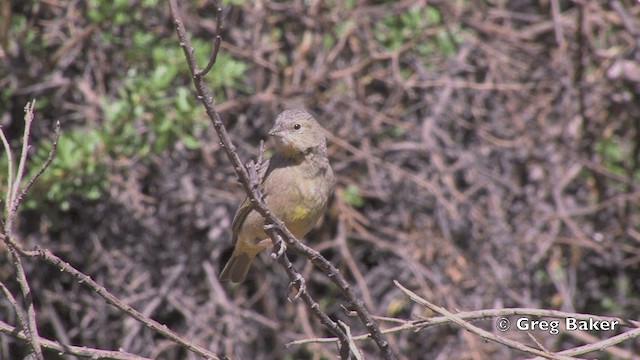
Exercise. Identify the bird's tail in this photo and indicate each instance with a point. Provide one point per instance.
(238, 266)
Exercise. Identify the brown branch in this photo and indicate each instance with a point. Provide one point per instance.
(478, 331)
(216, 43)
(627, 21)
(80, 351)
(603, 344)
(204, 95)
(21, 277)
(354, 301)
(418, 325)
(7, 149)
(28, 120)
(18, 309)
(45, 165)
(6, 229)
(314, 307)
(161, 329)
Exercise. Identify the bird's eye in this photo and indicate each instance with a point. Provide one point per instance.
(297, 127)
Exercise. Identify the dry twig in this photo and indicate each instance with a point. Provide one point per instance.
(80, 351)
(6, 229)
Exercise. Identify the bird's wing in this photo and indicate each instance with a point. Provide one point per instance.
(262, 170)
(245, 208)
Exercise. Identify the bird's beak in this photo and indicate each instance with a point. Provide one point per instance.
(276, 130)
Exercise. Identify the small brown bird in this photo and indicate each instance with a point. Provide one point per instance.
(296, 187)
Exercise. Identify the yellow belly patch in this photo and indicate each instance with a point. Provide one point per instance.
(299, 212)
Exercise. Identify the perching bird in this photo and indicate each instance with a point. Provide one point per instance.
(296, 187)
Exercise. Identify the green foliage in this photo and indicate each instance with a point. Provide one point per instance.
(233, 2)
(616, 155)
(77, 167)
(609, 304)
(5, 95)
(341, 28)
(394, 31)
(152, 106)
(398, 132)
(29, 37)
(352, 195)
(116, 12)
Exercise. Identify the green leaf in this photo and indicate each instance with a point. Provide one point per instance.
(190, 142)
(352, 195)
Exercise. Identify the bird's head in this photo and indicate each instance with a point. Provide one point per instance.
(297, 133)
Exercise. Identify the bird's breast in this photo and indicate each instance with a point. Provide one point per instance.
(302, 214)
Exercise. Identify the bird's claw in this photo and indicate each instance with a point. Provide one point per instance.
(279, 249)
(301, 287)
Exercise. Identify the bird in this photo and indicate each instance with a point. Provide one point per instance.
(296, 187)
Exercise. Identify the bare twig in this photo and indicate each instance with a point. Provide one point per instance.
(6, 229)
(45, 165)
(21, 277)
(421, 324)
(354, 301)
(7, 149)
(354, 349)
(294, 276)
(216, 42)
(161, 329)
(478, 331)
(19, 310)
(204, 95)
(80, 351)
(28, 119)
(160, 296)
(627, 21)
(603, 344)
(18, 199)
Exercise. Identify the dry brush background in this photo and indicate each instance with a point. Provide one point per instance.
(487, 156)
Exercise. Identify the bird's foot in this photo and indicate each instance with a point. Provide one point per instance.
(300, 285)
(279, 249)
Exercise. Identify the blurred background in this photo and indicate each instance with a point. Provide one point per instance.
(487, 155)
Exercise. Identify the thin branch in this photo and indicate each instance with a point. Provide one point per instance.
(603, 344)
(28, 120)
(161, 329)
(216, 42)
(6, 229)
(21, 277)
(52, 153)
(418, 325)
(476, 330)
(352, 344)
(7, 148)
(19, 310)
(354, 301)
(295, 277)
(45, 165)
(80, 351)
(627, 21)
(204, 95)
